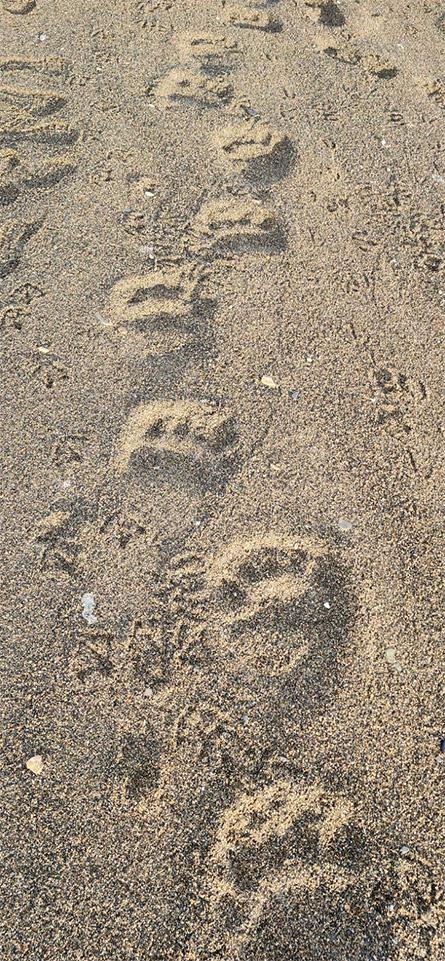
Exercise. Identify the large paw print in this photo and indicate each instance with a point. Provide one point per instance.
(276, 825)
(326, 912)
(211, 51)
(175, 442)
(278, 602)
(181, 86)
(255, 150)
(278, 869)
(313, 916)
(236, 225)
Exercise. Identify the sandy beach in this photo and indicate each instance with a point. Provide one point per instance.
(222, 296)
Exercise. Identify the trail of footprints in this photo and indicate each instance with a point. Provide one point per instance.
(166, 306)
(283, 852)
(31, 135)
(286, 855)
(336, 42)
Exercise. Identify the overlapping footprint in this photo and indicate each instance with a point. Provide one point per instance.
(281, 607)
(292, 874)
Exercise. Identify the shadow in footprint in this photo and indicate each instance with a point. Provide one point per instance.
(186, 469)
(331, 15)
(326, 618)
(139, 764)
(310, 925)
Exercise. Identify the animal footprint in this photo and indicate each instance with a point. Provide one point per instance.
(259, 587)
(241, 16)
(13, 238)
(274, 825)
(281, 608)
(184, 85)
(377, 66)
(49, 370)
(168, 637)
(49, 172)
(304, 911)
(18, 6)
(415, 894)
(24, 113)
(435, 89)
(149, 654)
(183, 442)
(138, 764)
(57, 543)
(394, 914)
(237, 225)
(210, 50)
(92, 656)
(13, 318)
(163, 305)
(328, 13)
(48, 65)
(35, 102)
(397, 399)
(14, 174)
(129, 529)
(371, 63)
(282, 837)
(253, 575)
(255, 149)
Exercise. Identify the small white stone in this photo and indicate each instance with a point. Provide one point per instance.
(326, 604)
(268, 381)
(344, 524)
(42, 37)
(88, 605)
(391, 659)
(101, 319)
(35, 764)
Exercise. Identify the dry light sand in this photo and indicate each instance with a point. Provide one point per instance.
(222, 285)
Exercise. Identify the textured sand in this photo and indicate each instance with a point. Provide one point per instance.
(222, 295)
